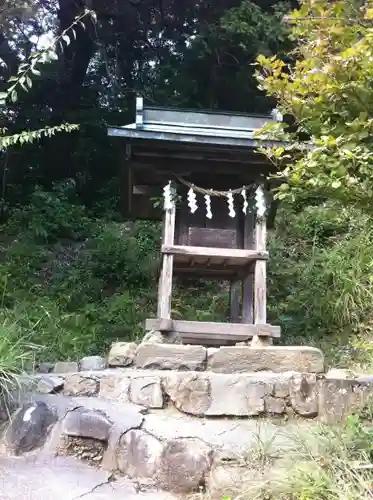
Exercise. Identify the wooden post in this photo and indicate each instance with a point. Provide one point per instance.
(234, 299)
(248, 283)
(165, 278)
(260, 279)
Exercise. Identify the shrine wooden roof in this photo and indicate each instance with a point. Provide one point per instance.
(194, 126)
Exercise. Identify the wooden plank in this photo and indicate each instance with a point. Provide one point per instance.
(214, 329)
(212, 237)
(165, 279)
(248, 283)
(234, 299)
(238, 255)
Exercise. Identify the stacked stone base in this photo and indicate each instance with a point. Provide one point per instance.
(139, 412)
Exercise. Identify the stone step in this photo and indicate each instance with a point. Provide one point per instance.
(205, 394)
(158, 449)
(153, 427)
(234, 359)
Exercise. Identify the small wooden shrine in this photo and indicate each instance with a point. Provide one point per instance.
(205, 169)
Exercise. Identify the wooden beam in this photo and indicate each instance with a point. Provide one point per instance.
(233, 254)
(228, 331)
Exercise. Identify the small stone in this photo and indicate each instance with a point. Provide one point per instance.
(184, 465)
(157, 337)
(78, 385)
(274, 406)
(281, 389)
(29, 427)
(86, 423)
(272, 358)
(122, 354)
(66, 367)
(115, 387)
(45, 367)
(50, 384)
(92, 363)
(304, 394)
(147, 391)
(139, 454)
(171, 357)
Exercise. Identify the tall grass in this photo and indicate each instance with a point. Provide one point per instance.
(329, 464)
(16, 355)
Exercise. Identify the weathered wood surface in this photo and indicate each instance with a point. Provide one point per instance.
(216, 330)
(235, 255)
(235, 292)
(248, 283)
(165, 279)
(212, 237)
(260, 275)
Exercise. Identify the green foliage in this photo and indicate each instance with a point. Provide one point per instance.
(328, 93)
(321, 278)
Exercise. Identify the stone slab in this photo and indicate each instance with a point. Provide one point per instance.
(81, 422)
(65, 478)
(171, 357)
(240, 359)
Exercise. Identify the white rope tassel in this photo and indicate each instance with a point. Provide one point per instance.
(167, 197)
(208, 206)
(192, 201)
(232, 212)
(260, 201)
(245, 203)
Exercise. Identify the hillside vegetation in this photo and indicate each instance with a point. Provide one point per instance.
(75, 279)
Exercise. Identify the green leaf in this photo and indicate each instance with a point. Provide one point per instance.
(14, 96)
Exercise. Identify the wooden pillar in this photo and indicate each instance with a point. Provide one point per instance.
(165, 278)
(248, 283)
(260, 279)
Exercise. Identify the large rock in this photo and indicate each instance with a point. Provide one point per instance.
(139, 455)
(184, 465)
(340, 397)
(238, 359)
(245, 395)
(29, 427)
(86, 424)
(92, 363)
(171, 357)
(79, 385)
(304, 394)
(190, 393)
(122, 354)
(147, 391)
